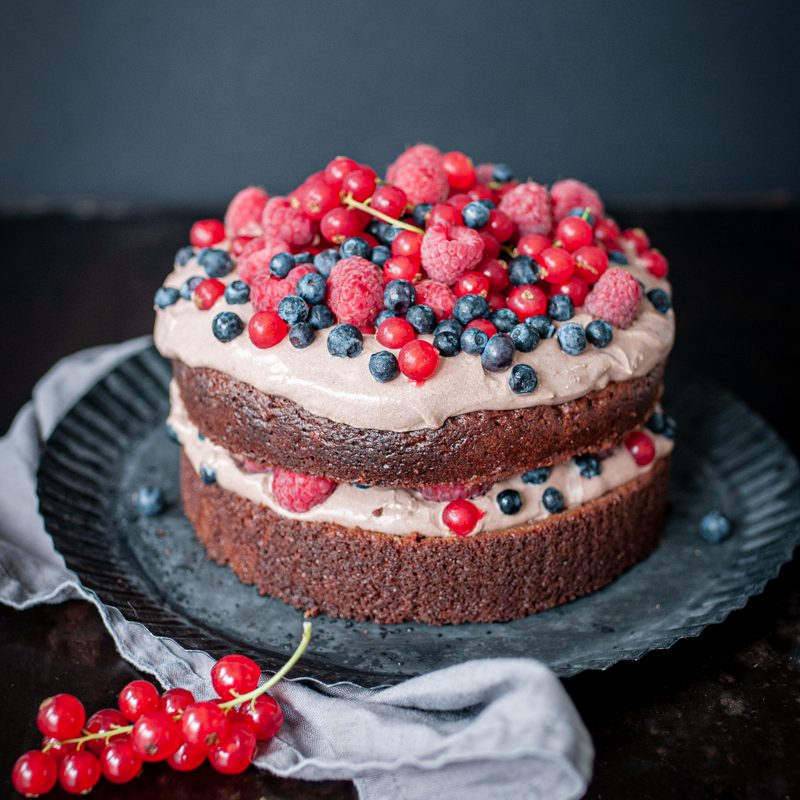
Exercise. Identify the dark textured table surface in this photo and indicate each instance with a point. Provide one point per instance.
(716, 716)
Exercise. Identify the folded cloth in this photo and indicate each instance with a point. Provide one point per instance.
(499, 728)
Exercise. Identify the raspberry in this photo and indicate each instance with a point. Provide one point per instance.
(615, 297)
(255, 257)
(569, 194)
(282, 220)
(355, 291)
(243, 217)
(297, 492)
(423, 182)
(448, 251)
(293, 278)
(445, 492)
(438, 297)
(418, 154)
(483, 173)
(529, 206)
(267, 292)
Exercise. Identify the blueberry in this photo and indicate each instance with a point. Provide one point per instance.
(421, 318)
(671, 428)
(189, 285)
(502, 173)
(301, 334)
(447, 344)
(715, 527)
(490, 204)
(355, 246)
(237, 292)
(509, 501)
(560, 307)
(183, 255)
(281, 264)
(579, 211)
(657, 422)
(376, 227)
(383, 366)
(599, 333)
(385, 314)
(390, 233)
(399, 296)
(302, 258)
(420, 214)
(588, 465)
(522, 271)
(166, 296)
(542, 324)
(312, 288)
(523, 379)
(227, 325)
(201, 436)
(149, 501)
(171, 435)
(216, 263)
(504, 319)
(320, 317)
(475, 215)
(524, 337)
(498, 354)
(469, 307)
(473, 341)
(325, 261)
(572, 338)
(449, 326)
(538, 475)
(553, 500)
(380, 254)
(208, 474)
(660, 300)
(293, 309)
(345, 341)
(362, 485)
(617, 257)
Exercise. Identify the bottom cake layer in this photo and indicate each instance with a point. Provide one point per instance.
(364, 575)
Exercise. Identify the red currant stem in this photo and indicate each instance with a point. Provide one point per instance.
(587, 212)
(509, 251)
(90, 737)
(265, 687)
(350, 202)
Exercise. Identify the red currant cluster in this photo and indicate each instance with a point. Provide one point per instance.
(172, 727)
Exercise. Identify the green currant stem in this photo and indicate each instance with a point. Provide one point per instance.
(116, 730)
(351, 202)
(587, 212)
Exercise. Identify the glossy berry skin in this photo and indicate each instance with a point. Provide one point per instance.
(234, 675)
(58, 750)
(266, 329)
(522, 271)
(715, 527)
(525, 338)
(319, 198)
(34, 773)
(574, 233)
(484, 325)
(293, 309)
(312, 288)
(417, 360)
(380, 254)
(337, 169)
(235, 753)
(156, 736)
(533, 244)
(474, 341)
(345, 341)
(421, 318)
(360, 183)
(395, 332)
(571, 338)
(553, 500)
(137, 698)
(355, 246)
(61, 716)
(449, 326)
(459, 170)
(237, 292)
(448, 344)
(79, 772)
(408, 244)
(389, 200)
(590, 263)
(542, 324)
(497, 273)
(183, 256)
(187, 757)
(401, 268)
(638, 238)
(119, 762)
(339, 224)
(325, 261)
(204, 724)
(555, 265)
(469, 307)
(536, 476)
(472, 283)
(207, 292)
(509, 501)
(188, 287)
(165, 297)
(173, 701)
(216, 263)
(504, 320)
(320, 317)
(523, 379)
(588, 465)
(599, 333)
(500, 225)
(660, 299)
(206, 232)
(226, 326)
(301, 334)
(560, 307)
(641, 446)
(281, 264)
(575, 288)
(655, 263)
(264, 717)
(399, 296)
(527, 301)
(475, 215)
(104, 721)
(461, 516)
(444, 212)
(383, 366)
(498, 355)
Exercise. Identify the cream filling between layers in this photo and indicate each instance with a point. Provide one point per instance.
(401, 512)
(343, 390)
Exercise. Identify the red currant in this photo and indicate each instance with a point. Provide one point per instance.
(461, 516)
(574, 233)
(204, 724)
(337, 169)
(119, 762)
(472, 283)
(408, 244)
(638, 238)
(187, 757)
(501, 226)
(655, 263)
(360, 183)
(319, 198)
(480, 192)
(444, 212)
(234, 675)
(417, 360)
(389, 200)
(395, 332)
(575, 288)
(56, 748)
(174, 701)
(491, 247)
(590, 263)
(527, 301)
(496, 301)
(137, 698)
(459, 170)
(607, 233)
(156, 736)
(532, 244)
(207, 292)
(239, 244)
(61, 716)
(266, 329)
(34, 773)
(497, 273)
(555, 265)
(104, 721)
(264, 716)
(235, 753)
(458, 201)
(341, 223)
(641, 447)
(483, 324)
(79, 772)
(401, 268)
(206, 232)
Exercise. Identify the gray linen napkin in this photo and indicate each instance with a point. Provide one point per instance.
(499, 728)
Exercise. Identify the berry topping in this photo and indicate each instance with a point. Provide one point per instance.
(355, 291)
(475, 215)
(256, 256)
(408, 244)
(325, 260)
(318, 198)
(528, 205)
(345, 341)
(243, 217)
(399, 296)
(537, 476)
(527, 301)
(207, 292)
(553, 500)
(560, 307)
(297, 492)
(461, 516)
(227, 326)
(501, 173)
(715, 527)
(394, 332)
(417, 360)
(281, 220)
(437, 296)
(660, 300)
(588, 465)
(533, 244)
(498, 354)
(390, 200)
(267, 293)
(615, 297)
(542, 325)
(359, 183)
(636, 238)
(206, 232)
(569, 194)
(301, 334)
(523, 271)
(655, 263)
(523, 379)
(448, 344)
(641, 447)
(525, 337)
(445, 492)
(421, 318)
(474, 341)
(320, 317)
(166, 296)
(470, 307)
(459, 170)
(149, 501)
(555, 265)
(472, 283)
(575, 288)
(483, 324)
(496, 271)
(599, 333)
(505, 320)
(312, 288)
(380, 254)
(266, 329)
(189, 285)
(383, 366)
(590, 263)
(208, 474)
(340, 223)
(501, 226)
(293, 309)
(337, 170)
(422, 181)
(509, 501)
(237, 292)
(448, 251)
(216, 263)
(355, 246)
(183, 256)
(574, 233)
(572, 338)
(281, 264)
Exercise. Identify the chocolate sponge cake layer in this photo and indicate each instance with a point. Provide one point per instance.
(482, 446)
(495, 576)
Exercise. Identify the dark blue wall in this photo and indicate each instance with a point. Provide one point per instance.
(187, 101)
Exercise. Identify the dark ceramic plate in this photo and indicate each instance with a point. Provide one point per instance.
(155, 572)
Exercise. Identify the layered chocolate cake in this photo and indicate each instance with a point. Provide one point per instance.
(433, 397)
